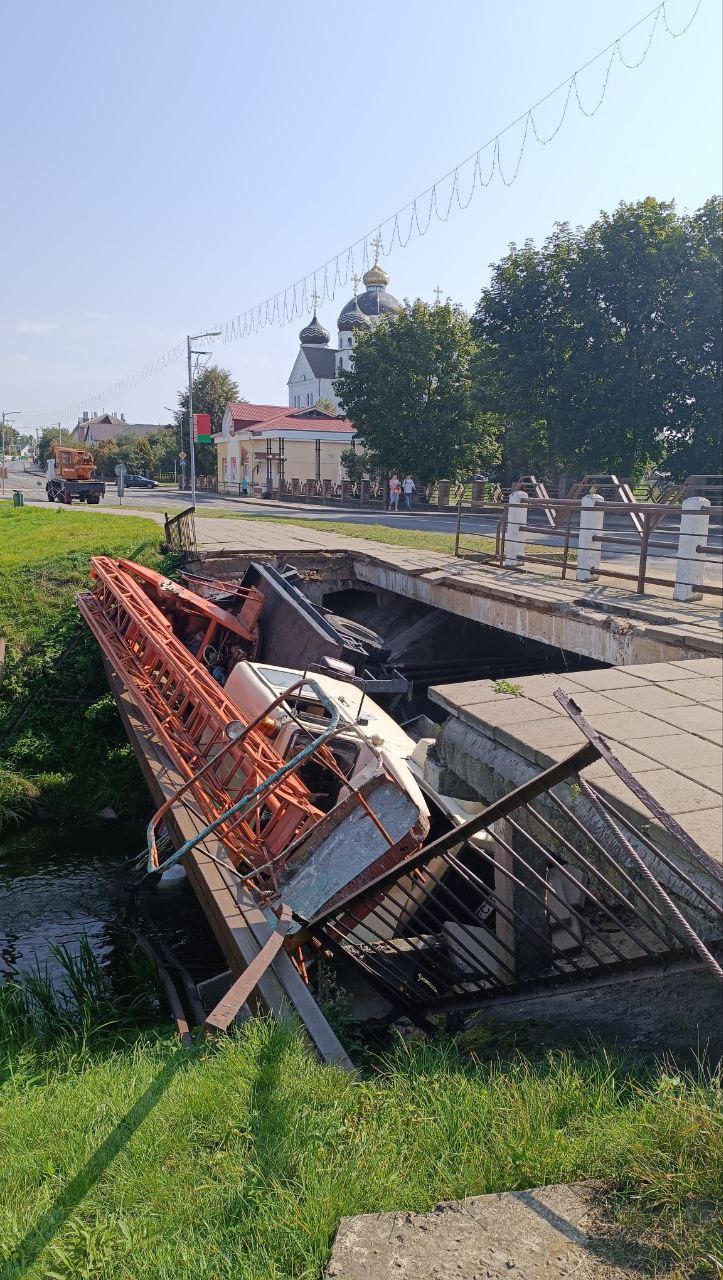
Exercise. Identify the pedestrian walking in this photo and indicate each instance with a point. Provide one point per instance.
(394, 491)
(408, 487)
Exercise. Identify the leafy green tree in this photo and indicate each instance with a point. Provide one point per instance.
(45, 442)
(213, 390)
(165, 447)
(326, 406)
(410, 395)
(12, 439)
(132, 450)
(693, 437)
(522, 328)
(355, 463)
(601, 349)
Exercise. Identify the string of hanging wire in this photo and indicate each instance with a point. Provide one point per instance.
(451, 193)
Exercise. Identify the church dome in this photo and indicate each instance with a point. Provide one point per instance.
(314, 334)
(375, 302)
(352, 317)
(376, 277)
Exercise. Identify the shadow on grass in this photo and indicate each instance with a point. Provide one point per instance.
(27, 1251)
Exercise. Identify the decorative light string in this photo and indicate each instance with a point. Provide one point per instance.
(451, 193)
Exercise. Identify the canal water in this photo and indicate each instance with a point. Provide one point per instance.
(58, 884)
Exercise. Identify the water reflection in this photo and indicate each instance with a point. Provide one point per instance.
(57, 884)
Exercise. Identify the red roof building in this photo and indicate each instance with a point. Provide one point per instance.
(265, 445)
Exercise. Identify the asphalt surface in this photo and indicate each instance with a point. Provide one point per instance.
(169, 498)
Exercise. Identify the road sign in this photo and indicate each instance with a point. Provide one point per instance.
(120, 469)
(182, 456)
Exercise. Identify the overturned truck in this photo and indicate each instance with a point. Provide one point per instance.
(314, 806)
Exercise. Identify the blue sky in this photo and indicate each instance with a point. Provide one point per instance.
(166, 165)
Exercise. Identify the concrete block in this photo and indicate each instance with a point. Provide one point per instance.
(678, 794)
(651, 697)
(661, 671)
(712, 778)
(682, 752)
(544, 686)
(627, 726)
(547, 1233)
(706, 828)
(705, 666)
(701, 689)
(588, 702)
(557, 731)
(510, 711)
(607, 678)
(693, 717)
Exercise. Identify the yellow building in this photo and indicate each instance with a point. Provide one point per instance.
(263, 446)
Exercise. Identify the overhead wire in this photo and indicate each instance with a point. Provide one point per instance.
(294, 302)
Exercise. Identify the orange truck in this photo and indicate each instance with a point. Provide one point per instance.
(71, 474)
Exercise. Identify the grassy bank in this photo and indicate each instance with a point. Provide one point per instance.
(127, 1157)
(396, 535)
(61, 744)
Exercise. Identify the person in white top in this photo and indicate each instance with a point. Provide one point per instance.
(394, 489)
(408, 487)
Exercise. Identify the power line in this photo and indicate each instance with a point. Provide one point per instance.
(452, 192)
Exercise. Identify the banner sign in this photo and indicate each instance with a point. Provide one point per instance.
(202, 428)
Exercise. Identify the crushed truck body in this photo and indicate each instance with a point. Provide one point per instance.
(311, 792)
(302, 778)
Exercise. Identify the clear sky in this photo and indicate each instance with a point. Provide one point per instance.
(165, 165)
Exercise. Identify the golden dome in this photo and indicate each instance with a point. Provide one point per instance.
(376, 276)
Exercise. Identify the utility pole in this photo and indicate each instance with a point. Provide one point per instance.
(12, 413)
(190, 339)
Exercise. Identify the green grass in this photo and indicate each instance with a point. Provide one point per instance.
(130, 1158)
(69, 753)
(422, 539)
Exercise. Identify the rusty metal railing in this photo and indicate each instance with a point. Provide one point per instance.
(552, 884)
(180, 530)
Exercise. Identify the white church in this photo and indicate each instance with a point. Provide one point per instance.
(317, 364)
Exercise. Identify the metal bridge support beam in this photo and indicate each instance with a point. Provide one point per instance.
(515, 533)
(592, 514)
(690, 565)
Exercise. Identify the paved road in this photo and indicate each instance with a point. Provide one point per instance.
(168, 498)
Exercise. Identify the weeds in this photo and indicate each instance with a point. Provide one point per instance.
(507, 686)
(62, 745)
(236, 1161)
(78, 1003)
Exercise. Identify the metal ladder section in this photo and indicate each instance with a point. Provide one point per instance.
(190, 714)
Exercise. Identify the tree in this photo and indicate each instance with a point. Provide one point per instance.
(410, 396)
(522, 330)
(12, 439)
(132, 450)
(355, 463)
(326, 406)
(602, 347)
(213, 390)
(165, 448)
(45, 442)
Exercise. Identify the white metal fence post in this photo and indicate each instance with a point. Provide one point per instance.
(515, 532)
(690, 564)
(592, 514)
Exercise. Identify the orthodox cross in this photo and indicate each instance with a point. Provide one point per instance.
(316, 299)
(356, 280)
(437, 294)
(377, 245)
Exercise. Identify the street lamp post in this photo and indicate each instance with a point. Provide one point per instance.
(190, 339)
(12, 413)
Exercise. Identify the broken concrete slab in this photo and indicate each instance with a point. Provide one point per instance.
(536, 1235)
